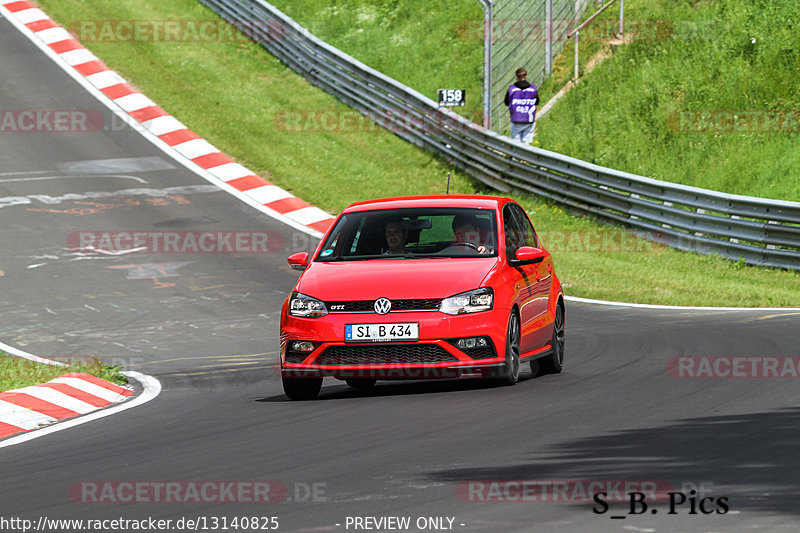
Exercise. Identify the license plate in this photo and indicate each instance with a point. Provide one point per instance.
(408, 331)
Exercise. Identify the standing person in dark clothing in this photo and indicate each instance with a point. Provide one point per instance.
(522, 99)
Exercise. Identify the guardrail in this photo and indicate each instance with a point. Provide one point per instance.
(758, 231)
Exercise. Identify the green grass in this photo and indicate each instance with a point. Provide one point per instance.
(686, 55)
(633, 113)
(425, 44)
(231, 93)
(564, 63)
(16, 372)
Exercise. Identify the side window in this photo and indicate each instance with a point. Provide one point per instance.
(528, 236)
(512, 231)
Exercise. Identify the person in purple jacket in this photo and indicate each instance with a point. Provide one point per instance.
(522, 99)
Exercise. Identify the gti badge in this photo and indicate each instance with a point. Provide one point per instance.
(382, 306)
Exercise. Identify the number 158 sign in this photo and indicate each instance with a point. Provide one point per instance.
(451, 97)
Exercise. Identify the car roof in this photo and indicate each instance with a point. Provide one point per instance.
(438, 200)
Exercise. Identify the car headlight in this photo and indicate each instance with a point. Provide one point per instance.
(306, 306)
(468, 302)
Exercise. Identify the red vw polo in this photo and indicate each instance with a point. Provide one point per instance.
(422, 287)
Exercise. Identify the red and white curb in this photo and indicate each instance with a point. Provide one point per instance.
(70, 400)
(65, 397)
(154, 123)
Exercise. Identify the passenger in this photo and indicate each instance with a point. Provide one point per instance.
(396, 233)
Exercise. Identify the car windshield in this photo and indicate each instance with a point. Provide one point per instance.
(412, 233)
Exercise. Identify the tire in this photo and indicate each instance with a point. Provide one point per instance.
(536, 368)
(301, 388)
(510, 372)
(361, 383)
(554, 363)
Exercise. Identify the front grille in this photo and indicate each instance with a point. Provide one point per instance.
(384, 354)
(360, 306)
(414, 305)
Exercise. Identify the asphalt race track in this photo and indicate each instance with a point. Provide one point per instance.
(447, 455)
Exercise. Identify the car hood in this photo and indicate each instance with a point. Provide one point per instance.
(393, 278)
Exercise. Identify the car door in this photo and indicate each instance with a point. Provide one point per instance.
(534, 280)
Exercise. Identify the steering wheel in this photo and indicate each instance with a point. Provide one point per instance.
(465, 244)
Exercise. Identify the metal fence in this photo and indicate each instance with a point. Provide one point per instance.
(527, 34)
(756, 230)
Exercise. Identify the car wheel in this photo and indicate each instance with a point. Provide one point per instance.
(554, 363)
(361, 383)
(510, 371)
(301, 388)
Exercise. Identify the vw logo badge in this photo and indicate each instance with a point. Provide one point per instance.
(382, 306)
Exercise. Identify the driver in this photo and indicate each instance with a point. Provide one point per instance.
(467, 235)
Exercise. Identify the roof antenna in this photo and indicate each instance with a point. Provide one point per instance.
(448, 183)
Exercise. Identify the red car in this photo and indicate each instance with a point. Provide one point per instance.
(422, 287)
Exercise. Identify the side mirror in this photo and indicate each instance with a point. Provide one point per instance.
(529, 254)
(298, 261)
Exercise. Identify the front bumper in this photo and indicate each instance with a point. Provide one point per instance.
(435, 355)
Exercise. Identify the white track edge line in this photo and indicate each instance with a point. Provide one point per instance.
(164, 147)
(30, 357)
(577, 299)
(152, 388)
